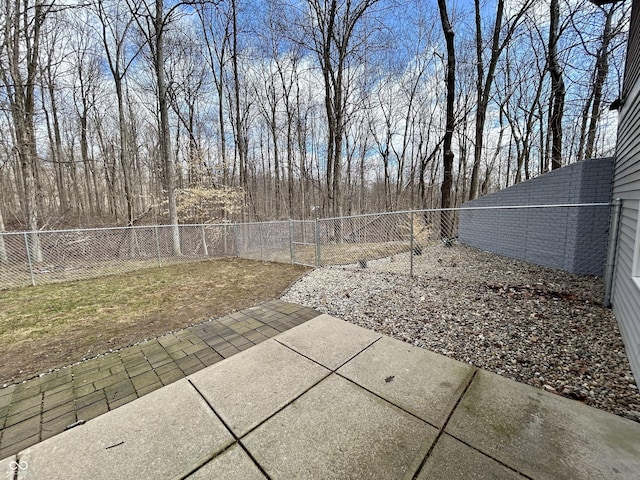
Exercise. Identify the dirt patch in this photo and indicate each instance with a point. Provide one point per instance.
(529, 292)
(49, 326)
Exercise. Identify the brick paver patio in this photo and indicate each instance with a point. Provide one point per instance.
(44, 406)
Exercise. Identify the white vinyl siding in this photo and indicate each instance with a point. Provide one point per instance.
(635, 272)
(626, 186)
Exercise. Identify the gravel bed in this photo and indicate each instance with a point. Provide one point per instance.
(532, 324)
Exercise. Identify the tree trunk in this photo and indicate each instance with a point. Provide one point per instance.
(124, 160)
(55, 140)
(557, 87)
(241, 151)
(446, 223)
(602, 70)
(484, 84)
(276, 154)
(22, 42)
(157, 36)
(86, 162)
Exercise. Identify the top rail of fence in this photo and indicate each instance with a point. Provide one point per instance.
(457, 209)
(132, 227)
(274, 222)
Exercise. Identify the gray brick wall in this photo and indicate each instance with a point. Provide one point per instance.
(573, 239)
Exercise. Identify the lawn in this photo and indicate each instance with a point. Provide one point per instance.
(49, 326)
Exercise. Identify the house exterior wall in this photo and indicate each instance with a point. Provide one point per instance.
(573, 239)
(626, 186)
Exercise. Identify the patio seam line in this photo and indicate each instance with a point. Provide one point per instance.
(235, 437)
(203, 463)
(324, 366)
(388, 401)
(284, 406)
(489, 456)
(16, 470)
(41, 415)
(444, 425)
(369, 391)
(354, 356)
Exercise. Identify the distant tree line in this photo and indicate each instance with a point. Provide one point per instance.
(113, 111)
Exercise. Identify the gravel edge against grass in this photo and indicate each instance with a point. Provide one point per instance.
(532, 324)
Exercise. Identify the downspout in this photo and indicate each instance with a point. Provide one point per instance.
(611, 254)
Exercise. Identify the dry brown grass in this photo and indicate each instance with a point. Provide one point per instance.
(48, 326)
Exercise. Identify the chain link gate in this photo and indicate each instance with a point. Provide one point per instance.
(304, 245)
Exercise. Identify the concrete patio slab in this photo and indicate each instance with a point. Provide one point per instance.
(165, 432)
(254, 384)
(542, 435)
(232, 464)
(453, 460)
(417, 380)
(339, 430)
(298, 420)
(328, 340)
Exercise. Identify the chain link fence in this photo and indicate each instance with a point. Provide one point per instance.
(570, 237)
(395, 237)
(567, 237)
(36, 258)
(264, 241)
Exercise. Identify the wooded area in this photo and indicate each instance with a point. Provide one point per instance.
(122, 112)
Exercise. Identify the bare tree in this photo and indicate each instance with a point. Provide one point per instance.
(337, 32)
(242, 147)
(19, 56)
(382, 129)
(484, 82)
(557, 86)
(188, 90)
(217, 23)
(4, 257)
(519, 96)
(153, 21)
(87, 77)
(592, 110)
(115, 29)
(50, 73)
(446, 224)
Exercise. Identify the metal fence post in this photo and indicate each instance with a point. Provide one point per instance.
(204, 242)
(225, 234)
(411, 246)
(155, 228)
(611, 253)
(236, 239)
(261, 243)
(26, 246)
(291, 240)
(317, 235)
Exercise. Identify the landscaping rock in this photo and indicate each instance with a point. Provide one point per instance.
(532, 324)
